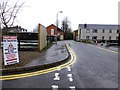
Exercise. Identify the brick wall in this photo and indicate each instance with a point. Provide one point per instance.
(49, 30)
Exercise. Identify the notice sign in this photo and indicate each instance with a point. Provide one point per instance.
(10, 50)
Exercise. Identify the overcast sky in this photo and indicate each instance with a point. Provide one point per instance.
(78, 12)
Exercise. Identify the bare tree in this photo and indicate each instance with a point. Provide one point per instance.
(8, 13)
(66, 26)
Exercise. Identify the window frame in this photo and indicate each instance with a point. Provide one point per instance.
(52, 32)
(117, 31)
(93, 37)
(87, 37)
(103, 37)
(110, 31)
(103, 31)
(87, 30)
(117, 38)
(94, 31)
(110, 37)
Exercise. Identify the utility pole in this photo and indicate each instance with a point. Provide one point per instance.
(57, 23)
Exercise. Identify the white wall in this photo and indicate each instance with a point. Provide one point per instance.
(42, 37)
(61, 37)
(99, 34)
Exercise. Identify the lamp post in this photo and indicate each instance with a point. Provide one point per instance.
(57, 23)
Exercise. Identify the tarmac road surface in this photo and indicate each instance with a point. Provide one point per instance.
(94, 68)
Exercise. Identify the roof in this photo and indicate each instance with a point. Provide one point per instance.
(76, 31)
(55, 26)
(51, 25)
(99, 26)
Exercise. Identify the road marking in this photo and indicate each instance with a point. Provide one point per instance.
(69, 69)
(57, 74)
(57, 77)
(70, 77)
(54, 87)
(72, 87)
(58, 69)
(24, 75)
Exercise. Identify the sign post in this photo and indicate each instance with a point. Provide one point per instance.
(10, 50)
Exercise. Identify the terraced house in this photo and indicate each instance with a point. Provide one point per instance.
(98, 33)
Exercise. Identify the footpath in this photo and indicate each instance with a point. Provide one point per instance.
(54, 56)
(113, 48)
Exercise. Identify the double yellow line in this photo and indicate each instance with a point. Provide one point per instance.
(17, 76)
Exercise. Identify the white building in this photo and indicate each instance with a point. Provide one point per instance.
(98, 32)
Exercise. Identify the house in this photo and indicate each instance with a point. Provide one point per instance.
(119, 40)
(98, 33)
(15, 29)
(53, 32)
(75, 35)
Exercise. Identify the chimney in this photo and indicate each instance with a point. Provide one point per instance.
(85, 25)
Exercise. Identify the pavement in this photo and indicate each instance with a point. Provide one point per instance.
(113, 48)
(55, 55)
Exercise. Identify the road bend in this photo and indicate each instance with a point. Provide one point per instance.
(93, 68)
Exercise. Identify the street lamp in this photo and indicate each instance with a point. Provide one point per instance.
(57, 23)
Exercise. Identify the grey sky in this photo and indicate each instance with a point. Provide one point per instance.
(78, 12)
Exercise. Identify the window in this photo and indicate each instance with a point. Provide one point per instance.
(95, 31)
(88, 31)
(103, 31)
(116, 38)
(117, 31)
(94, 37)
(58, 33)
(87, 37)
(110, 37)
(52, 31)
(110, 31)
(103, 37)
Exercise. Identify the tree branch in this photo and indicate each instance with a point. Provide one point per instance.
(16, 13)
(8, 14)
(12, 11)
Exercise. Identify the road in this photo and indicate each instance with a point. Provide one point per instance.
(94, 68)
